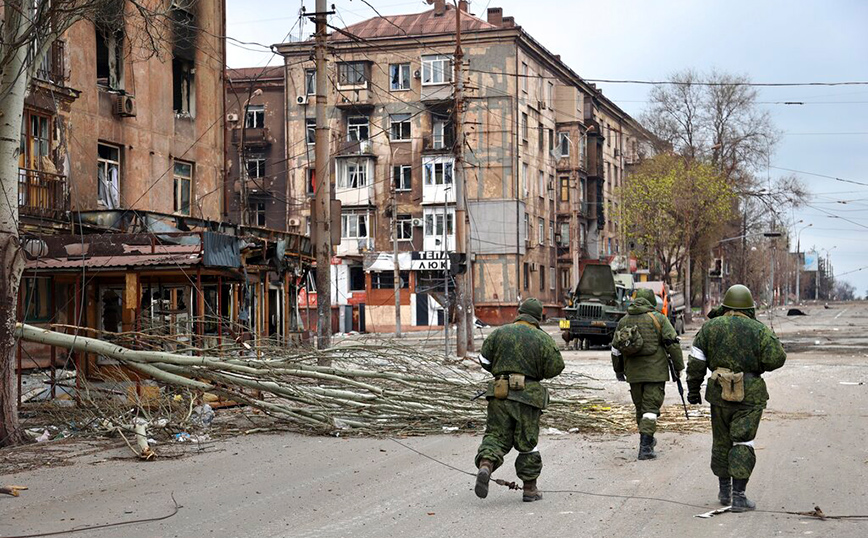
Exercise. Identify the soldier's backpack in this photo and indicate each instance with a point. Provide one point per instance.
(628, 340)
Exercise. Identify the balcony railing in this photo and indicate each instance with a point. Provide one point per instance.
(42, 194)
(52, 66)
(253, 136)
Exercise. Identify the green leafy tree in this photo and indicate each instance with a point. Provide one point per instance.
(672, 205)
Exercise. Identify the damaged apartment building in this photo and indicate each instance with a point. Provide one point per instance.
(122, 194)
(545, 153)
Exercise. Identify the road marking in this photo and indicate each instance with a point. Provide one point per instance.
(841, 313)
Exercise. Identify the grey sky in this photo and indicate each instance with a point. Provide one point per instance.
(770, 41)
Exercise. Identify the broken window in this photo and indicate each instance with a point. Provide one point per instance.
(402, 176)
(110, 306)
(256, 166)
(310, 134)
(400, 127)
(405, 228)
(352, 74)
(399, 75)
(353, 173)
(438, 172)
(257, 212)
(255, 118)
(358, 128)
(310, 180)
(441, 130)
(310, 81)
(108, 167)
(183, 56)
(354, 226)
(109, 23)
(35, 141)
(183, 186)
(357, 278)
(182, 86)
(37, 295)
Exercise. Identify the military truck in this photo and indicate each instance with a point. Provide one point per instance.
(594, 308)
(671, 302)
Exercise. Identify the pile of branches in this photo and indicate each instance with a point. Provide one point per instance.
(373, 387)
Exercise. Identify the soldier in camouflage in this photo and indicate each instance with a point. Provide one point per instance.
(648, 369)
(513, 419)
(738, 349)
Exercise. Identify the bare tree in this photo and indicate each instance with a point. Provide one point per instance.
(28, 28)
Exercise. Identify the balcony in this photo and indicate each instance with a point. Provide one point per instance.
(354, 99)
(355, 196)
(42, 194)
(52, 67)
(437, 144)
(354, 148)
(354, 247)
(258, 137)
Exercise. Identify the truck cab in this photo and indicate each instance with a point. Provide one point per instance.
(594, 308)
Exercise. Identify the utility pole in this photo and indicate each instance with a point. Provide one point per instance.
(322, 200)
(397, 271)
(445, 279)
(461, 280)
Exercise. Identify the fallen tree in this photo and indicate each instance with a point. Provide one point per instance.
(379, 387)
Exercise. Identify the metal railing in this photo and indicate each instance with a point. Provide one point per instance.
(42, 194)
(52, 66)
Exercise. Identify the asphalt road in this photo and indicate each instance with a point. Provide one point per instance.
(811, 450)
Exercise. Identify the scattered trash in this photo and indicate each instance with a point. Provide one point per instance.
(152, 442)
(795, 312)
(12, 490)
(447, 429)
(713, 513)
(44, 437)
(161, 423)
(816, 342)
(203, 415)
(182, 437)
(554, 431)
(341, 425)
(850, 383)
(574, 430)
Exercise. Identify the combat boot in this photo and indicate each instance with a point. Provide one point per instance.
(740, 503)
(482, 477)
(725, 494)
(530, 493)
(646, 447)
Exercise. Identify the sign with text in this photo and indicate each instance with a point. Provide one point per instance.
(429, 260)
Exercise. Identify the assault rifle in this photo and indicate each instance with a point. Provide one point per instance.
(677, 380)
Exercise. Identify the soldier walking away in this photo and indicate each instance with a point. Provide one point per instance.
(519, 355)
(737, 349)
(642, 347)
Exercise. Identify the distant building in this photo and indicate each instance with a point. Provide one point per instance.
(544, 151)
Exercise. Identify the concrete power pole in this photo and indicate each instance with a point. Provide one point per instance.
(461, 280)
(322, 200)
(397, 270)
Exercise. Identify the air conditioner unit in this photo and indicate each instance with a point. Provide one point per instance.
(417, 74)
(294, 223)
(232, 116)
(417, 223)
(125, 106)
(301, 100)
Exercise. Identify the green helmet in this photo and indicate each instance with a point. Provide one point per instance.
(648, 295)
(738, 297)
(531, 307)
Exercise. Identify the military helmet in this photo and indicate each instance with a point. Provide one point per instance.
(531, 307)
(738, 297)
(648, 295)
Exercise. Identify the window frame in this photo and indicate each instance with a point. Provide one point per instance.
(564, 143)
(179, 181)
(252, 112)
(430, 69)
(524, 127)
(523, 75)
(403, 224)
(310, 131)
(258, 160)
(402, 177)
(104, 163)
(354, 173)
(257, 211)
(541, 180)
(360, 80)
(432, 225)
(564, 189)
(360, 220)
(542, 278)
(402, 82)
(430, 172)
(355, 125)
(541, 229)
(553, 278)
(405, 127)
(310, 81)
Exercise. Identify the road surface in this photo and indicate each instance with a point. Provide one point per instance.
(811, 450)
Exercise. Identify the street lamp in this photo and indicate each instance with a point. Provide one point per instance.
(772, 234)
(799, 261)
(828, 252)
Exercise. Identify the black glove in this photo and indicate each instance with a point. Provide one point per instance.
(620, 376)
(694, 398)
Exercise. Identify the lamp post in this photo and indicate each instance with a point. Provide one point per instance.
(799, 262)
(828, 252)
(772, 235)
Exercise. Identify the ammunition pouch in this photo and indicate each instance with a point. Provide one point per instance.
(516, 381)
(731, 384)
(501, 388)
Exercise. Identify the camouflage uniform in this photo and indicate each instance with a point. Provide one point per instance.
(735, 340)
(648, 370)
(518, 348)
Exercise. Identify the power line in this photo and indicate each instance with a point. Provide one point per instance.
(739, 83)
(819, 175)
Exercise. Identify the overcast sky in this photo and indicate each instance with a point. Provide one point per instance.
(769, 41)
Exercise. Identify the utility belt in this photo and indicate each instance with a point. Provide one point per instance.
(731, 383)
(504, 383)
